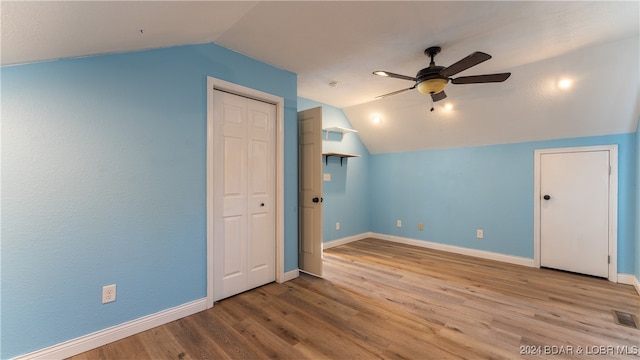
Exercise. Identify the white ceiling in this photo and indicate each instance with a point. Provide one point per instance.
(594, 43)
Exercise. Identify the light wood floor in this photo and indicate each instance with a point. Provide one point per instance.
(385, 300)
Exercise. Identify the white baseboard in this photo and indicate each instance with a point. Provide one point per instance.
(99, 338)
(518, 260)
(290, 275)
(346, 240)
(629, 279)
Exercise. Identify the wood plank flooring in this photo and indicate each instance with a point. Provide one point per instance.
(384, 300)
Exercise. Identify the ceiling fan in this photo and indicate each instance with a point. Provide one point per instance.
(433, 79)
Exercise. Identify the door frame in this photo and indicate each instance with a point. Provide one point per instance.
(218, 84)
(613, 201)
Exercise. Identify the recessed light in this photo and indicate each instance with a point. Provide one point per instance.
(565, 84)
(376, 119)
(334, 84)
(448, 106)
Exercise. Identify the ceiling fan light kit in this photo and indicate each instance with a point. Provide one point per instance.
(432, 86)
(433, 79)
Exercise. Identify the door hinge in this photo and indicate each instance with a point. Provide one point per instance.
(609, 169)
(608, 259)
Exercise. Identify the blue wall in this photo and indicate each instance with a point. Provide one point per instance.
(346, 196)
(104, 181)
(637, 213)
(456, 191)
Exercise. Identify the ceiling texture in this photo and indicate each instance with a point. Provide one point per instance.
(595, 44)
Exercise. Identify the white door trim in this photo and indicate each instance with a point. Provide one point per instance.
(213, 83)
(613, 202)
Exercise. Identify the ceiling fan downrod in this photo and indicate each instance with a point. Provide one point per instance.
(432, 52)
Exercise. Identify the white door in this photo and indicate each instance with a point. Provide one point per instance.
(574, 211)
(244, 194)
(310, 191)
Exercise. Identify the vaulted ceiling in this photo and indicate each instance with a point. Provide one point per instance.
(594, 44)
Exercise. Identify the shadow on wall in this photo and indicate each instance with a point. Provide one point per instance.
(334, 172)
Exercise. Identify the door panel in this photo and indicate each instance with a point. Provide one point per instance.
(259, 251)
(574, 220)
(260, 254)
(308, 218)
(310, 188)
(258, 164)
(233, 264)
(233, 166)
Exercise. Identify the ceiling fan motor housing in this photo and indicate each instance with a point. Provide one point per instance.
(429, 80)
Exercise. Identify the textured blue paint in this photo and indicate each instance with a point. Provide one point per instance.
(456, 191)
(104, 181)
(346, 196)
(636, 217)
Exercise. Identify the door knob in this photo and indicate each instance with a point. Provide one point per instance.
(546, 197)
(315, 199)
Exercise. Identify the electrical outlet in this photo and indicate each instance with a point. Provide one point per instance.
(421, 227)
(337, 226)
(399, 223)
(479, 234)
(108, 293)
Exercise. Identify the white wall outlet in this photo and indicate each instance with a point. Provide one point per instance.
(399, 223)
(479, 234)
(108, 293)
(337, 226)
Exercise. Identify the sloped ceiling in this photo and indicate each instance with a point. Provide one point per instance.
(595, 44)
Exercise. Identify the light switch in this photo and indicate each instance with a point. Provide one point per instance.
(327, 177)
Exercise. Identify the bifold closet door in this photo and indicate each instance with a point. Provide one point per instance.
(244, 194)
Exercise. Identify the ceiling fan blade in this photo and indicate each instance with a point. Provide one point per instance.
(479, 79)
(438, 96)
(471, 60)
(395, 92)
(394, 75)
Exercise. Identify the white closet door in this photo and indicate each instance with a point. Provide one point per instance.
(574, 212)
(244, 194)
